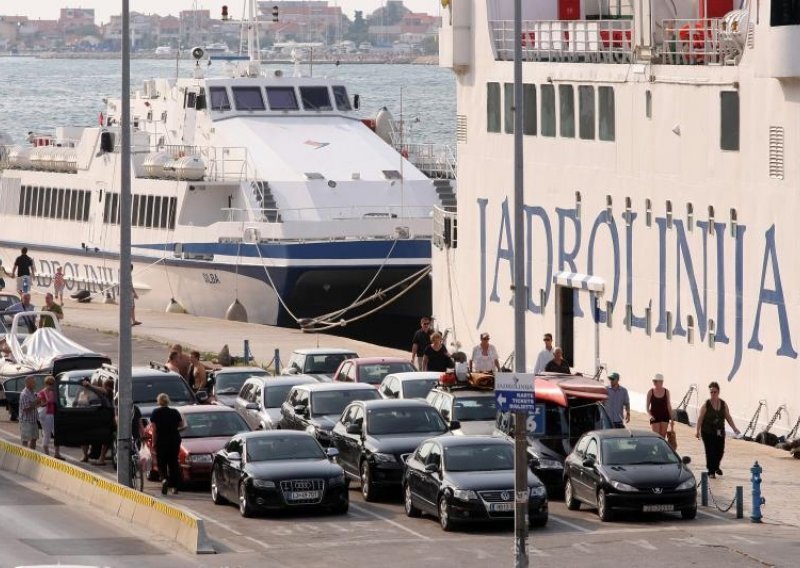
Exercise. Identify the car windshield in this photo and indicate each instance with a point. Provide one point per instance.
(275, 395)
(272, 448)
(418, 388)
(147, 389)
(404, 421)
(374, 373)
(651, 450)
(334, 401)
(231, 383)
(474, 408)
(323, 364)
(212, 424)
(479, 457)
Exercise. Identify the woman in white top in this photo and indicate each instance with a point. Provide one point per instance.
(484, 357)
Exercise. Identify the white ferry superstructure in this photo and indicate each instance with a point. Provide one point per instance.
(661, 198)
(248, 186)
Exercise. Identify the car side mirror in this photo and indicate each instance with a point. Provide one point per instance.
(432, 467)
(589, 462)
(202, 396)
(331, 453)
(235, 457)
(455, 425)
(686, 460)
(252, 406)
(353, 429)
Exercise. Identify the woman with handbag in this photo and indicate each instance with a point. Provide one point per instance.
(659, 407)
(711, 426)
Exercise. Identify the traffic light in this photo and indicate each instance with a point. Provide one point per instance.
(225, 16)
(275, 14)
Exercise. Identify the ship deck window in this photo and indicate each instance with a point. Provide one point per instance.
(282, 98)
(566, 107)
(392, 174)
(729, 120)
(190, 100)
(508, 107)
(341, 98)
(586, 112)
(219, 98)
(529, 110)
(314, 175)
(785, 13)
(608, 119)
(493, 107)
(248, 98)
(315, 98)
(548, 116)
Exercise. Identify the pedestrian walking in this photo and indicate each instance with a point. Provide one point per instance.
(28, 426)
(484, 356)
(618, 403)
(545, 355)
(24, 305)
(420, 341)
(172, 362)
(23, 270)
(558, 364)
(711, 427)
(167, 424)
(198, 379)
(3, 275)
(659, 407)
(58, 285)
(47, 415)
(436, 357)
(183, 361)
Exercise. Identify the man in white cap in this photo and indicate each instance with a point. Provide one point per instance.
(618, 404)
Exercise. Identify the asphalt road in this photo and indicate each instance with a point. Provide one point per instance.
(379, 534)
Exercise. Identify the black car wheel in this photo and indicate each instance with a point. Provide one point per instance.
(689, 514)
(342, 507)
(444, 514)
(539, 523)
(569, 496)
(367, 490)
(603, 511)
(411, 510)
(244, 505)
(215, 494)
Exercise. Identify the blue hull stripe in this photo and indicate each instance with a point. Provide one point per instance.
(339, 250)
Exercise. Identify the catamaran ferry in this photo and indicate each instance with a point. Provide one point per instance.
(659, 213)
(254, 195)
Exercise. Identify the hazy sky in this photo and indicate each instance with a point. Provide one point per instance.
(49, 9)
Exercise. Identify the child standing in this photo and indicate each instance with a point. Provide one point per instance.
(58, 285)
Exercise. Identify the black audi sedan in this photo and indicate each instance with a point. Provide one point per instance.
(624, 470)
(278, 469)
(375, 437)
(468, 478)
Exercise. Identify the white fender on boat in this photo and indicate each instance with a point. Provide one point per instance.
(384, 125)
(175, 307)
(236, 312)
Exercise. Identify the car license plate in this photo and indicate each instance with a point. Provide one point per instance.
(657, 508)
(502, 507)
(303, 495)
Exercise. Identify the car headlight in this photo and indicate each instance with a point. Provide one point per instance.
(383, 458)
(263, 484)
(537, 491)
(619, 486)
(199, 458)
(688, 484)
(337, 480)
(546, 463)
(464, 494)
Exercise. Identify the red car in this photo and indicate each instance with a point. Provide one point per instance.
(371, 370)
(208, 429)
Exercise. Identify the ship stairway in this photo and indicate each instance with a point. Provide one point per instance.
(447, 195)
(266, 201)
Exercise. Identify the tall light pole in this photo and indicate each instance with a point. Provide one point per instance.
(520, 306)
(124, 387)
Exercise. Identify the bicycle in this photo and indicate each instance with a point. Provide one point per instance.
(137, 473)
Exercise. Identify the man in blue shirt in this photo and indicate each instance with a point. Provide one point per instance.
(24, 305)
(618, 405)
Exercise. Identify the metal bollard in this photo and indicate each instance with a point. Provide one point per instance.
(704, 489)
(277, 361)
(739, 502)
(246, 351)
(758, 500)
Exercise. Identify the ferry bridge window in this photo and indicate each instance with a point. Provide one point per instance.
(135, 211)
(508, 107)
(493, 107)
(548, 116)
(586, 112)
(87, 199)
(566, 107)
(248, 98)
(341, 98)
(60, 204)
(219, 98)
(315, 98)
(605, 97)
(190, 100)
(39, 201)
(149, 212)
(21, 205)
(529, 110)
(282, 98)
(729, 120)
(785, 13)
(200, 104)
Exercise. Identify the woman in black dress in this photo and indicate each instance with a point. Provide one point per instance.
(436, 357)
(167, 424)
(711, 426)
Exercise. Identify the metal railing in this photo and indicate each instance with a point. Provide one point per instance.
(436, 161)
(702, 42)
(445, 229)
